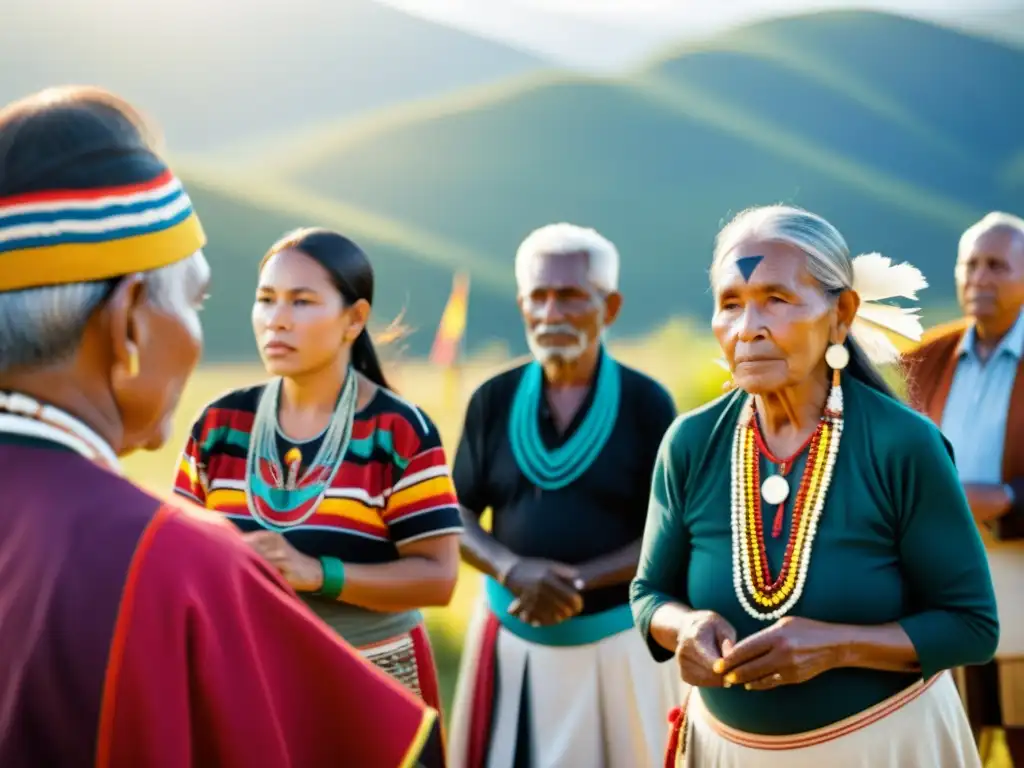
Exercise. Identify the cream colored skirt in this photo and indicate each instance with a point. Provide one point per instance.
(1006, 564)
(923, 726)
(603, 705)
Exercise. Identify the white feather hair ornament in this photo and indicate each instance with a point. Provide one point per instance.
(875, 279)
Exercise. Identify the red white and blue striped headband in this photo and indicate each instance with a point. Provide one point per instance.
(74, 236)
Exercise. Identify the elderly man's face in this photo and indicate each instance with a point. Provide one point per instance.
(563, 311)
(169, 341)
(990, 277)
(771, 318)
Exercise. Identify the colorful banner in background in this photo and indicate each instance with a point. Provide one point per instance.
(452, 328)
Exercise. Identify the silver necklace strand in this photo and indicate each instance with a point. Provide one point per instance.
(331, 454)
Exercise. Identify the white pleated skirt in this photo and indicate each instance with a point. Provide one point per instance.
(603, 705)
(923, 726)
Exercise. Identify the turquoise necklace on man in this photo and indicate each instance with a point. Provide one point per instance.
(552, 469)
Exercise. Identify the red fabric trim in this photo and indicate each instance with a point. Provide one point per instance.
(829, 733)
(676, 719)
(105, 740)
(483, 695)
(60, 195)
(426, 669)
(426, 672)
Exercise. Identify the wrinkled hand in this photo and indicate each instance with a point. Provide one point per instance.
(546, 592)
(790, 651)
(705, 639)
(303, 573)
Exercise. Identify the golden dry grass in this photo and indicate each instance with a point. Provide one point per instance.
(676, 356)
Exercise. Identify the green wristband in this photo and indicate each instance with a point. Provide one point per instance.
(334, 577)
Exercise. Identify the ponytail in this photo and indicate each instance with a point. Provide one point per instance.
(365, 361)
(863, 370)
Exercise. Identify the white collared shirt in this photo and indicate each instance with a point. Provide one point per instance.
(974, 419)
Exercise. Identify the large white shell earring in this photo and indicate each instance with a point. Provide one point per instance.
(837, 356)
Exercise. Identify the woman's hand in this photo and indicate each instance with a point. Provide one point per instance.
(702, 642)
(792, 650)
(303, 573)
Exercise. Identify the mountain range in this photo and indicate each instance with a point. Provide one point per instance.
(899, 131)
(222, 76)
(607, 37)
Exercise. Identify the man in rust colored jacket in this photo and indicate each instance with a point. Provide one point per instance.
(968, 377)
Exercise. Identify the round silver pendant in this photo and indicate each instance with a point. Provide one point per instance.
(775, 489)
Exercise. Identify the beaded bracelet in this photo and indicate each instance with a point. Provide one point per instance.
(334, 577)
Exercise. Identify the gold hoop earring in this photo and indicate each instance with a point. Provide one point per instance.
(133, 364)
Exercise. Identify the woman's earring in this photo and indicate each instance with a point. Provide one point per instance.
(837, 356)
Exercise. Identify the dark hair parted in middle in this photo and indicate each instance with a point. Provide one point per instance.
(352, 275)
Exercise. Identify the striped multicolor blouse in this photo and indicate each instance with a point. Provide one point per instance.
(393, 488)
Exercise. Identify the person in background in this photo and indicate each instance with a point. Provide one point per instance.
(337, 482)
(968, 377)
(561, 451)
(817, 622)
(135, 632)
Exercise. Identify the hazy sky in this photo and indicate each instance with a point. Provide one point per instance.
(608, 34)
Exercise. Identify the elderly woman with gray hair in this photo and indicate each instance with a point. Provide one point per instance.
(817, 622)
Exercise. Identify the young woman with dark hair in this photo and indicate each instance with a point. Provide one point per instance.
(336, 481)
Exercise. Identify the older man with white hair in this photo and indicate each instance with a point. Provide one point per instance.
(561, 450)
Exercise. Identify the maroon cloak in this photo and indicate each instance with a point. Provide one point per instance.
(136, 633)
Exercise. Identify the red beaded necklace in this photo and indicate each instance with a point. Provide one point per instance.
(784, 465)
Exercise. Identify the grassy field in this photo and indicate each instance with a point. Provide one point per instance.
(690, 371)
(675, 356)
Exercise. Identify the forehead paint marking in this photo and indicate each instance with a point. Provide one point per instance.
(747, 265)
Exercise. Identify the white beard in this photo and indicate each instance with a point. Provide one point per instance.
(565, 352)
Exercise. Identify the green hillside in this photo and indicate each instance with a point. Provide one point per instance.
(861, 75)
(242, 217)
(896, 130)
(222, 73)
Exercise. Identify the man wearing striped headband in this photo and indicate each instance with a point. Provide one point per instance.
(133, 632)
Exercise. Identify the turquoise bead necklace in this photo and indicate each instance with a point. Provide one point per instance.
(547, 469)
(278, 499)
